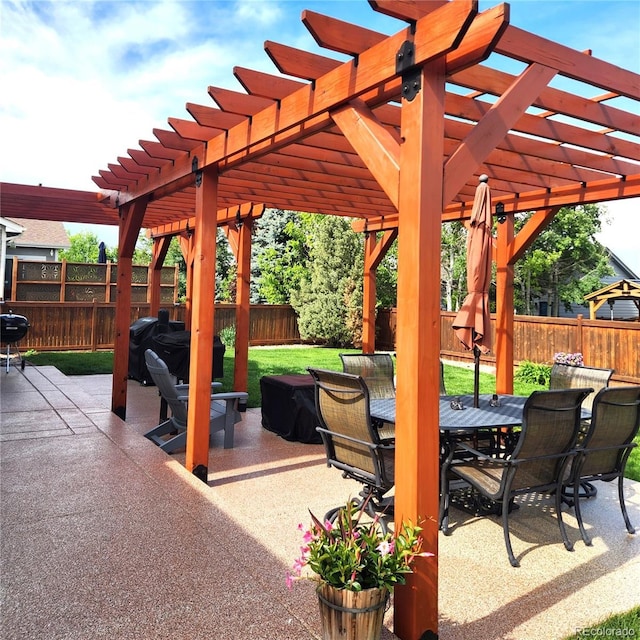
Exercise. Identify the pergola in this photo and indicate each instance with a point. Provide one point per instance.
(393, 130)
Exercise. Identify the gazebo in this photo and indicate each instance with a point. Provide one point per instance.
(393, 130)
(620, 290)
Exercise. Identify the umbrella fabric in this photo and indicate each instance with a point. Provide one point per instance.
(472, 324)
(102, 253)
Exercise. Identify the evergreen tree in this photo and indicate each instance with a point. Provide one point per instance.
(329, 303)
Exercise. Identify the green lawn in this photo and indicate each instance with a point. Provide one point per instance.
(269, 361)
(624, 625)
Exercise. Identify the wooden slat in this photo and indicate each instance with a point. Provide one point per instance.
(528, 47)
(210, 117)
(145, 160)
(338, 35)
(299, 63)
(236, 102)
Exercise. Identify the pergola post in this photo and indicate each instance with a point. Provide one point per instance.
(504, 307)
(202, 322)
(418, 344)
(131, 216)
(374, 251)
(369, 297)
(187, 247)
(239, 236)
(159, 253)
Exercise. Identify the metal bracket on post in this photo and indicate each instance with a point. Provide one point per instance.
(411, 75)
(194, 169)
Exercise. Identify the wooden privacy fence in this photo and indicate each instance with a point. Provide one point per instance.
(91, 326)
(30, 280)
(603, 343)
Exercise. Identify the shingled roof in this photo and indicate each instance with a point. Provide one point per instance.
(41, 233)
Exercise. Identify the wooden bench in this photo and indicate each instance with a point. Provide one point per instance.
(565, 376)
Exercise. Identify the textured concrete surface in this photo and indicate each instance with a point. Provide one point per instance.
(105, 536)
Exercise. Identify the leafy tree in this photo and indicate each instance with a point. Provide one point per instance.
(143, 249)
(279, 255)
(329, 302)
(85, 248)
(564, 263)
(453, 262)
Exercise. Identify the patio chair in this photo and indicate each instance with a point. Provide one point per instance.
(352, 444)
(375, 368)
(171, 435)
(545, 445)
(569, 377)
(604, 453)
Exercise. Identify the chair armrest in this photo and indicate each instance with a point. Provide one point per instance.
(185, 387)
(475, 452)
(230, 395)
(371, 445)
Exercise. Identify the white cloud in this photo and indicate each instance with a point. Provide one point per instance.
(622, 232)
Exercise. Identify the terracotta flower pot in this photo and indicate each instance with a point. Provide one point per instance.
(352, 615)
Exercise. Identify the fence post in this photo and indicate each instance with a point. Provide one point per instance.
(63, 281)
(579, 342)
(94, 325)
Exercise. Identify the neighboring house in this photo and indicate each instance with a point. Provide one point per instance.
(41, 240)
(34, 240)
(622, 309)
(8, 230)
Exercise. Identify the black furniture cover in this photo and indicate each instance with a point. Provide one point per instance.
(141, 335)
(175, 349)
(289, 408)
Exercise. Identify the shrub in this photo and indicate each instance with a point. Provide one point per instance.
(533, 372)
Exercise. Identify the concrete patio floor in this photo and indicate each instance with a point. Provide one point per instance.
(105, 536)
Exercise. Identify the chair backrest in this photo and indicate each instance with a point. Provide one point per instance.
(567, 377)
(351, 441)
(166, 386)
(614, 424)
(375, 368)
(550, 425)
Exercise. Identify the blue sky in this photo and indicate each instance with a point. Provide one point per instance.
(83, 81)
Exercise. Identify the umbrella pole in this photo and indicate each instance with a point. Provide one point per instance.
(476, 377)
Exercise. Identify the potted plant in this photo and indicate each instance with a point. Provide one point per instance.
(356, 563)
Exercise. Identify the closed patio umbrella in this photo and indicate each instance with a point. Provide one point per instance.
(102, 253)
(472, 324)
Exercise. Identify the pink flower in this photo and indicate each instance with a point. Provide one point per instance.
(290, 580)
(384, 548)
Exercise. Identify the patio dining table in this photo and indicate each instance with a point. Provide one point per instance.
(507, 412)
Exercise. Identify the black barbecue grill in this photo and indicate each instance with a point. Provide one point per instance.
(13, 328)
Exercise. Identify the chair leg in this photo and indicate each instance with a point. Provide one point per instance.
(563, 530)
(229, 424)
(576, 505)
(444, 501)
(623, 506)
(507, 537)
